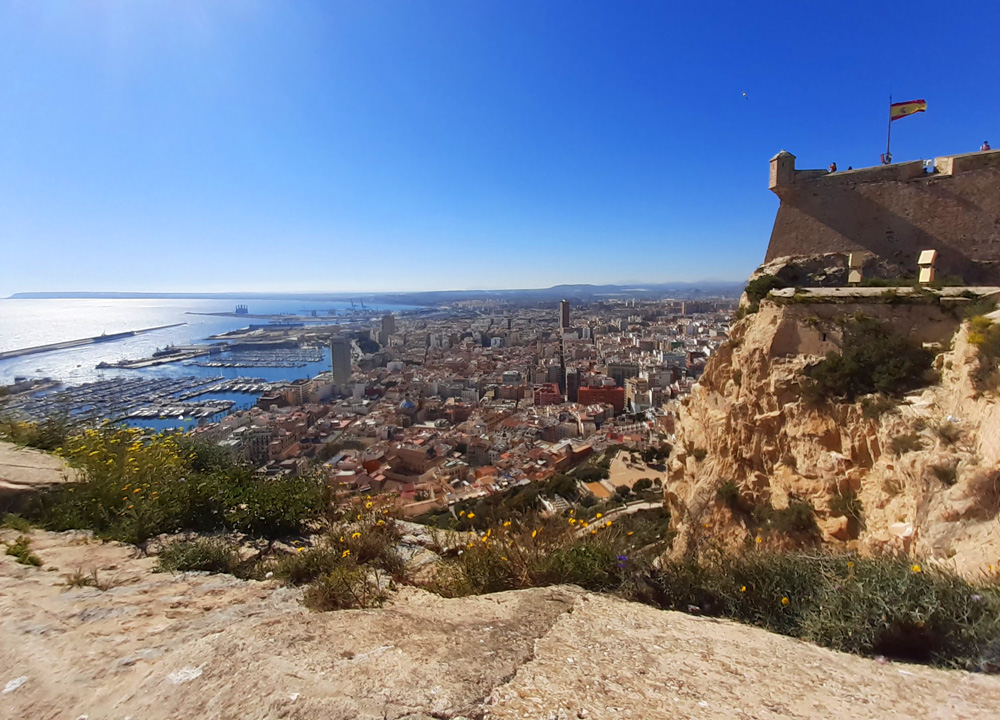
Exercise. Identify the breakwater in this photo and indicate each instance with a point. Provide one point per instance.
(105, 337)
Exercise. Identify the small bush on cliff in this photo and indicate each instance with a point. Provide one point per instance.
(596, 554)
(873, 359)
(985, 335)
(209, 554)
(345, 587)
(869, 606)
(135, 486)
(20, 550)
(758, 288)
(902, 444)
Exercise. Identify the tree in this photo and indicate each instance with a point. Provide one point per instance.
(642, 484)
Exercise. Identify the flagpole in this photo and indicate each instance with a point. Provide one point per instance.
(888, 135)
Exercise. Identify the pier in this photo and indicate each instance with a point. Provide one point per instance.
(83, 341)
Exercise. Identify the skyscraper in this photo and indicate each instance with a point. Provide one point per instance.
(564, 314)
(389, 325)
(340, 359)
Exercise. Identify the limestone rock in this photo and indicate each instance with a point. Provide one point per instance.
(161, 646)
(760, 435)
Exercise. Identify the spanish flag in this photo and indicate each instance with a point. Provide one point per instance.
(902, 109)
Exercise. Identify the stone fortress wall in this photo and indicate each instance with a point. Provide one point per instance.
(951, 204)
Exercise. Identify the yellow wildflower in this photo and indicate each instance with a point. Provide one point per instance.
(629, 533)
(137, 490)
(599, 516)
(506, 523)
(355, 535)
(607, 524)
(572, 521)
(533, 533)
(345, 553)
(368, 505)
(915, 568)
(593, 532)
(760, 539)
(850, 564)
(461, 513)
(503, 558)
(743, 588)
(299, 549)
(472, 515)
(784, 601)
(380, 522)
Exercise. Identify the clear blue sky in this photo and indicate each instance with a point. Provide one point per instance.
(366, 145)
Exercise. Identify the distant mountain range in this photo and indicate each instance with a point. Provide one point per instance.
(579, 293)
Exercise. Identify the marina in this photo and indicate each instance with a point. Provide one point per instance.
(124, 399)
(277, 358)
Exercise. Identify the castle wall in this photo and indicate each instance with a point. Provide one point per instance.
(894, 212)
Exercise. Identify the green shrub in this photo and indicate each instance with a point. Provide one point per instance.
(79, 578)
(874, 406)
(985, 335)
(13, 521)
(869, 606)
(949, 433)
(306, 565)
(47, 435)
(729, 495)
(642, 484)
(209, 554)
(134, 487)
(873, 359)
(345, 587)
(895, 608)
(798, 518)
(910, 442)
(758, 288)
(595, 553)
(947, 474)
(20, 550)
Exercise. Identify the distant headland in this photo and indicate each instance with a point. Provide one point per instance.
(577, 292)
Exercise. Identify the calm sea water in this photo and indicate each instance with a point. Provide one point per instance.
(26, 323)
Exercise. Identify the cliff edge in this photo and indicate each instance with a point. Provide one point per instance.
(918, 475)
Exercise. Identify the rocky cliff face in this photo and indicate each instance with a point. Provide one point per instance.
(920, 477)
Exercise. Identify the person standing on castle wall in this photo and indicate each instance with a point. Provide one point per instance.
(985, 146)
(833, 167)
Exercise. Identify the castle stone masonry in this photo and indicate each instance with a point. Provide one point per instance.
(893, 212)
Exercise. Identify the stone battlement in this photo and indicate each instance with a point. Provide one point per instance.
(950, 204)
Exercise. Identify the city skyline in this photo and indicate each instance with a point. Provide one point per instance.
(174, 147)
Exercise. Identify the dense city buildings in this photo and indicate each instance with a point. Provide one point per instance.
(437, 406)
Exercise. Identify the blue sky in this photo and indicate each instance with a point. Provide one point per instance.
(366, 145)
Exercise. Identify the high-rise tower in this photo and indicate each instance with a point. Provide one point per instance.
(340, 360)
(564, 314)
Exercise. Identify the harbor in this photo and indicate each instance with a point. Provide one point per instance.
(124, 399)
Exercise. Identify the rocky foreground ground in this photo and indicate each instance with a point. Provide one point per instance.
(154, 646)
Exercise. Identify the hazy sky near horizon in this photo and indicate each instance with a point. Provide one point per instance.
(173, 145)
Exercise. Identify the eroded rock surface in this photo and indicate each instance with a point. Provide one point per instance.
(158, 646)
(24, 471)
(924, 473)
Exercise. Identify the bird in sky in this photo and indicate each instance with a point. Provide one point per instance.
(745, 95)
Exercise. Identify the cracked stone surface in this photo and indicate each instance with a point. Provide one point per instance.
(159, 646)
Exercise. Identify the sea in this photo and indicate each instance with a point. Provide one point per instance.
(31, 322)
